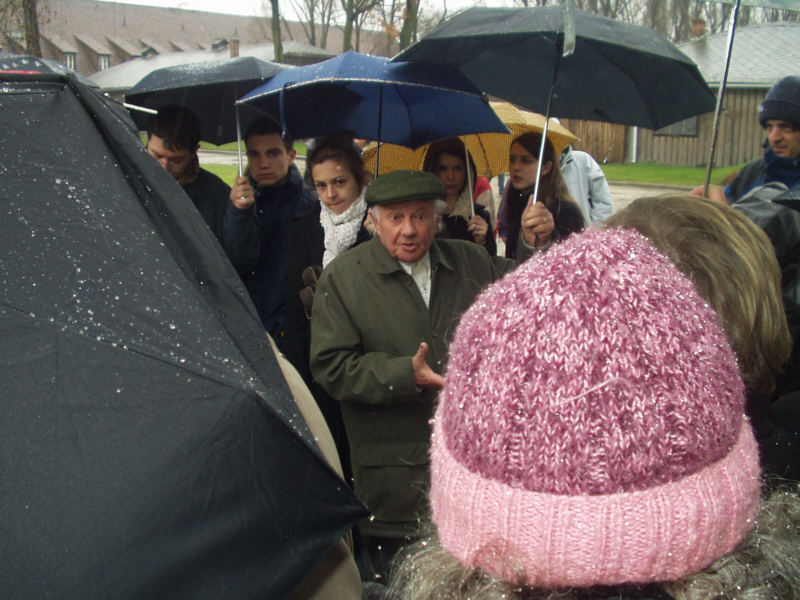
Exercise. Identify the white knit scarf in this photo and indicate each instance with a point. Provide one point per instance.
(341, 230)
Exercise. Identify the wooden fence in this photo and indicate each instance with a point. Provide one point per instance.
(739, 141)
(604, 141)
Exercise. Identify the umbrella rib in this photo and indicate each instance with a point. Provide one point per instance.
(296, 85)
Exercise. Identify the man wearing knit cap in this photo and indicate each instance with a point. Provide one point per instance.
(383, 315)
(779, 115)
(752, 191)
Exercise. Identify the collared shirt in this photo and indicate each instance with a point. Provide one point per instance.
(420, 271)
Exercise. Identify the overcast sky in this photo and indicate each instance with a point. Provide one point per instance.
(255, 7)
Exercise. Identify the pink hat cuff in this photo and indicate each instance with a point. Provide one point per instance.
(548, 540)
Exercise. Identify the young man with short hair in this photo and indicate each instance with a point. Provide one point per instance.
(274, 196)
(173, 138)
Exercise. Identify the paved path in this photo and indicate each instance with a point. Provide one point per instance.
(623, 193)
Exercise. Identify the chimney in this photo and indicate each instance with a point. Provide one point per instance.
(234, 47)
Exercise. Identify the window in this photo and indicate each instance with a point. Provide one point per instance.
(687, 127)
(69, 60)
(104, 61)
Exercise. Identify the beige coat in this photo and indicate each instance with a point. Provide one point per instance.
(336, 576)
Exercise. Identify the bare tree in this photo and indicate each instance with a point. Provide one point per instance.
(348, 6)
(32, 44)
(409, 23)
(355, 15)
(276, 31)
(315, 18)
(22, 14)
(388, 16)
(10, 14)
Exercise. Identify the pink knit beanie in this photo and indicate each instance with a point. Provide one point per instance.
(591, 430)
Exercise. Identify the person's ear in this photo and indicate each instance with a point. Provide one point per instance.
(547, 166)
(292, 153)
(376, 222)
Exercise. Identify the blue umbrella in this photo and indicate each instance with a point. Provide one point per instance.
(409, 104)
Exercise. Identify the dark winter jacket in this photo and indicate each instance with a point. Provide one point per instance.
(307, 245)
(210, 196)
(455, 228)
(275, 210)
(764, 170)
(568, 218)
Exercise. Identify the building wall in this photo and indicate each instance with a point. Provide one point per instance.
(739, 140)
(604, 141)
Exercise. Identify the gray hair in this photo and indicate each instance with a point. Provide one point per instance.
(764, 566)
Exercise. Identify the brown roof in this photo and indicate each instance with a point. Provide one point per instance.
(124, 30)
(94, 45)
(62, 43)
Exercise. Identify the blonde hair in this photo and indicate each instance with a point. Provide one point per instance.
(733, 266)
(764, 566)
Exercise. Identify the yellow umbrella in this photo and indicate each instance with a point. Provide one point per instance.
(488, 150)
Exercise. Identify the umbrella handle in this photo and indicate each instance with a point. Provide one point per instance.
(238, 138)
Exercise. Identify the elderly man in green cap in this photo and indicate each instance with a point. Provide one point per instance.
(383, 315)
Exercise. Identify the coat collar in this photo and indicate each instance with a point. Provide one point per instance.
(387, 264)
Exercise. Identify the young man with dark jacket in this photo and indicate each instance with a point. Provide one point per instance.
(271, 196)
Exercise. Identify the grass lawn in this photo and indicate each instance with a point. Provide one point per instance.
(632, 173)
(228, 173)
(300, 147)
(666, 174)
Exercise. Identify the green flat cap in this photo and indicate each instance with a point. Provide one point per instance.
(402, 186)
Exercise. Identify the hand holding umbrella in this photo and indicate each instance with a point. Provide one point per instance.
(242, 193)
(537, 224)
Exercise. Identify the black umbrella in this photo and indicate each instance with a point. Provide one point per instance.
(149, 445)
(618, 72)
(209, 89)
(25, 63)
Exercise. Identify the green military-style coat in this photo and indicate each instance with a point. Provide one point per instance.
(367, 323)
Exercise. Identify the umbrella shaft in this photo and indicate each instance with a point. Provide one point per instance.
(720, 95)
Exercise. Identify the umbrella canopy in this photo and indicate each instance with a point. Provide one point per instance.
(209, 89)
(150, 446)
(489, 151)
(24, 63)
(402, 103)
(618, 72)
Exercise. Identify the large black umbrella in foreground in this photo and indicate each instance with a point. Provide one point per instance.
(618, 72)
(26, 63)
(149, 446)
(209, 89)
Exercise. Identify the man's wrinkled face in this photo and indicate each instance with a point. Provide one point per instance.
(406, 229)
(783, 138)
(177, 162)
(267, 158)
